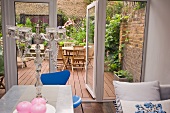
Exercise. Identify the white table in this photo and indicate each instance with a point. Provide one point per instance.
(59, 96)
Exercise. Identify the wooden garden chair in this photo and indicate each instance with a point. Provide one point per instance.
(90, 56)
(68, 44)
(61, 62)
(78, 58)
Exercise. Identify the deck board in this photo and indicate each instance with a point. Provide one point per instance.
(27, 76)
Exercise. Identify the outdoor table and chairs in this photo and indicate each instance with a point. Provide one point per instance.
(59, 96)
(75, 56)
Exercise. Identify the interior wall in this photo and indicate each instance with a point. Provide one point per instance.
(157, 65)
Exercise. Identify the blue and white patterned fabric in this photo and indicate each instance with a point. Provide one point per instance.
(149, 108)
(118, 106)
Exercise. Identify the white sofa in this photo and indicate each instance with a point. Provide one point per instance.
(130, 93)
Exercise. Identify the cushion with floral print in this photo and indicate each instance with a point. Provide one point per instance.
(149, 108)
(145, 106)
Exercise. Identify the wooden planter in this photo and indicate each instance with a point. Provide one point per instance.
(117, 78)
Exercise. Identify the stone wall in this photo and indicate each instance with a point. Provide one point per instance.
(133, 32)
(76, 8)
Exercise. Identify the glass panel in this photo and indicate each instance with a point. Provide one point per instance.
(91, 27)
(2, 84)
(124, 38)
(29, 15)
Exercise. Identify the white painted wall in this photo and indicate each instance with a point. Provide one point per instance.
(158, 45)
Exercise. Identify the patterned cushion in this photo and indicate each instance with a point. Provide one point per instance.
(149, 107)
(133, 106)
(118, 106)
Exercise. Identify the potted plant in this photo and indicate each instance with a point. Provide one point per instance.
(123, 75)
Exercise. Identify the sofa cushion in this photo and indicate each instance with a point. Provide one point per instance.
(144, 91)
(131, 106)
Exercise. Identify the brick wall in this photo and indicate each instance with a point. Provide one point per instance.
(69, 7)
(76, 8)
(133, 30)
(31, 8)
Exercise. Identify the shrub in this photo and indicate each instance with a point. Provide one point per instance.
(0, 35)
(61, 43)
(82, 44)
(28, 23)
(45, 43)
(112, 43)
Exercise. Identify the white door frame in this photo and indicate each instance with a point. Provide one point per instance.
(101, 23)
(8, 18)
(92, 91)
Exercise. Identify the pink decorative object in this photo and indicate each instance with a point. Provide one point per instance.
(38, 108)
(38, 100)
(24, 107)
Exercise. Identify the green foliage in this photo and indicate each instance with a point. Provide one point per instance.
(45, 43)
(0, 35)
(1, 61)
(82, 44)
(61, 43)
(77, 35)
(43, 29)
(124, 74)
(22, 45)
(113, 10)
(28, 23)
(91, 31)
(33, 25)
(64, 16)
(29, 46)
(20, 25)
(140, 5)
(70, 29)
(112, 43)
(0, 22)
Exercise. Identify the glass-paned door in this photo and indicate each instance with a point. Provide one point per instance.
(90, 44)
(29, 15)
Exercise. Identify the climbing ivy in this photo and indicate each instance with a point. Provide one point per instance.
(112, 47)
(140, 5)
(112, 43)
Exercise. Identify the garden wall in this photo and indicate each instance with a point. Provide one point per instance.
(69, 7)
(76, 8)
(133, 32)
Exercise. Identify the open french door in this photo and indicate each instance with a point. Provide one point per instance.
(91, 43)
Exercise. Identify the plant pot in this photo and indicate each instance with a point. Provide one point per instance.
(117, 78)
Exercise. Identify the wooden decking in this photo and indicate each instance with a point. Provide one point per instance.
(106, 107)
(26, 76)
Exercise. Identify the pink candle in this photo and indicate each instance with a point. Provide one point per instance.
(38, 108)
(24, 107)
(38, 100)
